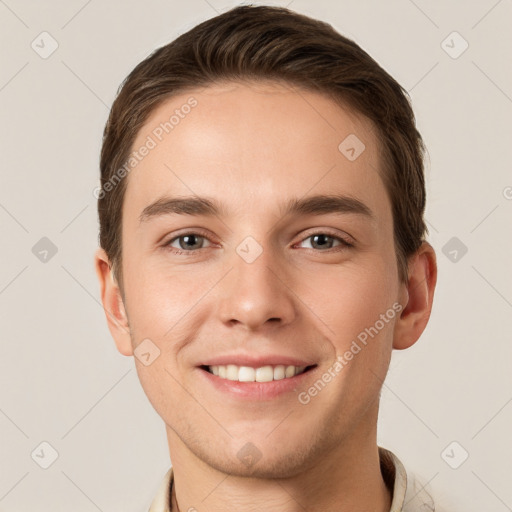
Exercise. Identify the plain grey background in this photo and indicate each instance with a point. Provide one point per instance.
(63, 381)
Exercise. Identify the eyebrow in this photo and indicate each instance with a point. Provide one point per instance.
(203, 206)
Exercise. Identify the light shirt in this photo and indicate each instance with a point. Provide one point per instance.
(408, 493)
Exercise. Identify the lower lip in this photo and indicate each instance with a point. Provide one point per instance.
(257, 390)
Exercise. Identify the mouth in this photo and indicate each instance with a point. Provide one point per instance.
(262, 374)
(256, 377)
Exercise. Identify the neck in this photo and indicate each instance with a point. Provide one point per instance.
(346, 477)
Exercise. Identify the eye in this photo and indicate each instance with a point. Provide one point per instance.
(325, 241)
(188, 242)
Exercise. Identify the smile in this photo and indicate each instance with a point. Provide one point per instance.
(266, 373)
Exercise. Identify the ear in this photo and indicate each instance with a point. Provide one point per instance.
(417, 297)
(113, 305)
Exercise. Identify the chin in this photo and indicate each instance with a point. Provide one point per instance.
(247, 460)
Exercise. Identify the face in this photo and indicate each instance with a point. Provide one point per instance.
(278, 258)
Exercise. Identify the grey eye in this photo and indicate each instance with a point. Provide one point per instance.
(321, 241)
(188, 242)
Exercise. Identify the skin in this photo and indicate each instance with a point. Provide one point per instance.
(252, 147)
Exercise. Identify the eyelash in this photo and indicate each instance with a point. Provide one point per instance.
(344, 243)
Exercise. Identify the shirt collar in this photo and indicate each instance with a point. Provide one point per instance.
(407, 494)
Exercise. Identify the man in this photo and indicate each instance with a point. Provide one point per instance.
(262, 253)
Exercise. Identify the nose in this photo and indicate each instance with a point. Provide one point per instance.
(257, 295)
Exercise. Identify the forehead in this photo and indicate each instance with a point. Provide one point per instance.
(255, 145)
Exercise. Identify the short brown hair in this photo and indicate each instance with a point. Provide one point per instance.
(262, 42)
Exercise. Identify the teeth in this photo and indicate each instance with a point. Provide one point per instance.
(249, 374)
(231, 372)
(279, 372)
(245, 374)
(290, 371)
(264, 374)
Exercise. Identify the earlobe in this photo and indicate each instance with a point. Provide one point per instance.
(419, 294)
(113, 304)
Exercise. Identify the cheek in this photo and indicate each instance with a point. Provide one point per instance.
(157, 299)
(351, 298)
(357, 306)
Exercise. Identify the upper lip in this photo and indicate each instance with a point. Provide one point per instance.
(255, 361)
